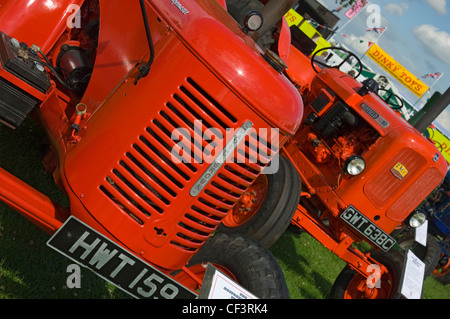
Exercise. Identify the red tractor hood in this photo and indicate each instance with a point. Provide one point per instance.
(216, 38)
(36, 21)
(347, 88)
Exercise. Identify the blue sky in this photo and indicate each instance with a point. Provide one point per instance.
(417, 36)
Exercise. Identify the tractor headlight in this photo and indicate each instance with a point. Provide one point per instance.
(355, 165)
(417, 219)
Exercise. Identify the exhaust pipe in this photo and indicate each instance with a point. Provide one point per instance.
(432, 110)
(273, 11)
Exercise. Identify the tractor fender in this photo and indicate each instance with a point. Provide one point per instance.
(38, 22)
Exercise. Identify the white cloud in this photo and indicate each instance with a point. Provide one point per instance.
(398, 9)
(439, 5)
(355, 42)
(436, 42)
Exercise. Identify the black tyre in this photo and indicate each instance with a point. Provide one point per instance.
(247, 262)
(348, 283)
(444, 279)
(442, 271)
(429, 255)
(266, 210)
(442, 274)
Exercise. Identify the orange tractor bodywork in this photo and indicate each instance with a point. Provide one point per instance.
(402, 166)
(110, 123)
(343, 119)
(345, 122)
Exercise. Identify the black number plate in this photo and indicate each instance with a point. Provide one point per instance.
(367, 228)
(113, 263)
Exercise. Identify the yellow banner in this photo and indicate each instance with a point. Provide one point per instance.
(294, 18)
(397, 70)
(441, 142)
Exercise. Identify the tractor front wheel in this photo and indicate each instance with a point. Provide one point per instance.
(442, 270)
(241, 259)
(429, 255)
(352, 285)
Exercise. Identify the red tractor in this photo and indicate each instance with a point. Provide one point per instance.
(113, 83)
(354, 171)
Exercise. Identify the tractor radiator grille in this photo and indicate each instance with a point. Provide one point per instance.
(414, 195)
(213, 204)
(147, 180)
(385, 185)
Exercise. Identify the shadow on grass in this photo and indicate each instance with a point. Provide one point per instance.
(309, 268)
(29, 269)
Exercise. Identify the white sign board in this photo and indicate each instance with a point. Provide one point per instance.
(413, 277)
(421, 234)
(218, 286)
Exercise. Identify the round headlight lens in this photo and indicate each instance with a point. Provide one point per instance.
(355, 165)
(417, 219)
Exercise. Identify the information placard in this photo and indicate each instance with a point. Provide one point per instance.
(413, 277)
(216, 285)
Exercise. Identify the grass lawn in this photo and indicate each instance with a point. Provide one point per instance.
(31, 270)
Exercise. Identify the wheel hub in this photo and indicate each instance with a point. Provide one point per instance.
(249, 203)
(359, 289)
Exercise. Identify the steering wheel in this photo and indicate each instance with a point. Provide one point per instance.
(387, 100)
(316, 60)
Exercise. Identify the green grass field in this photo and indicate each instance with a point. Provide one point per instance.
(311, 269)
(31, 270)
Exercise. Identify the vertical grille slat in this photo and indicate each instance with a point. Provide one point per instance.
(262, 144)
(163, 134)
(205, 216)
(183, 121)
(123, 201)
(217, 201)
(202, 206)
(184, 242)
(187, 99)
(206, 222)
(193, 231)
(217, 109)
(191, 136)
(137, 188)
(194, 222)
(167, 148)
(180, 111)
(242, 171)
(221, 182)
(136, 161)
(237, 188)
(224, 194)
(163, 157)
(235, 178)
(150, 187)
(134, 193)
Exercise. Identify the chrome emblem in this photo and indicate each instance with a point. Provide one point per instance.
(179, 6)
(221, 159)
(377, 117)
(399, 171)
